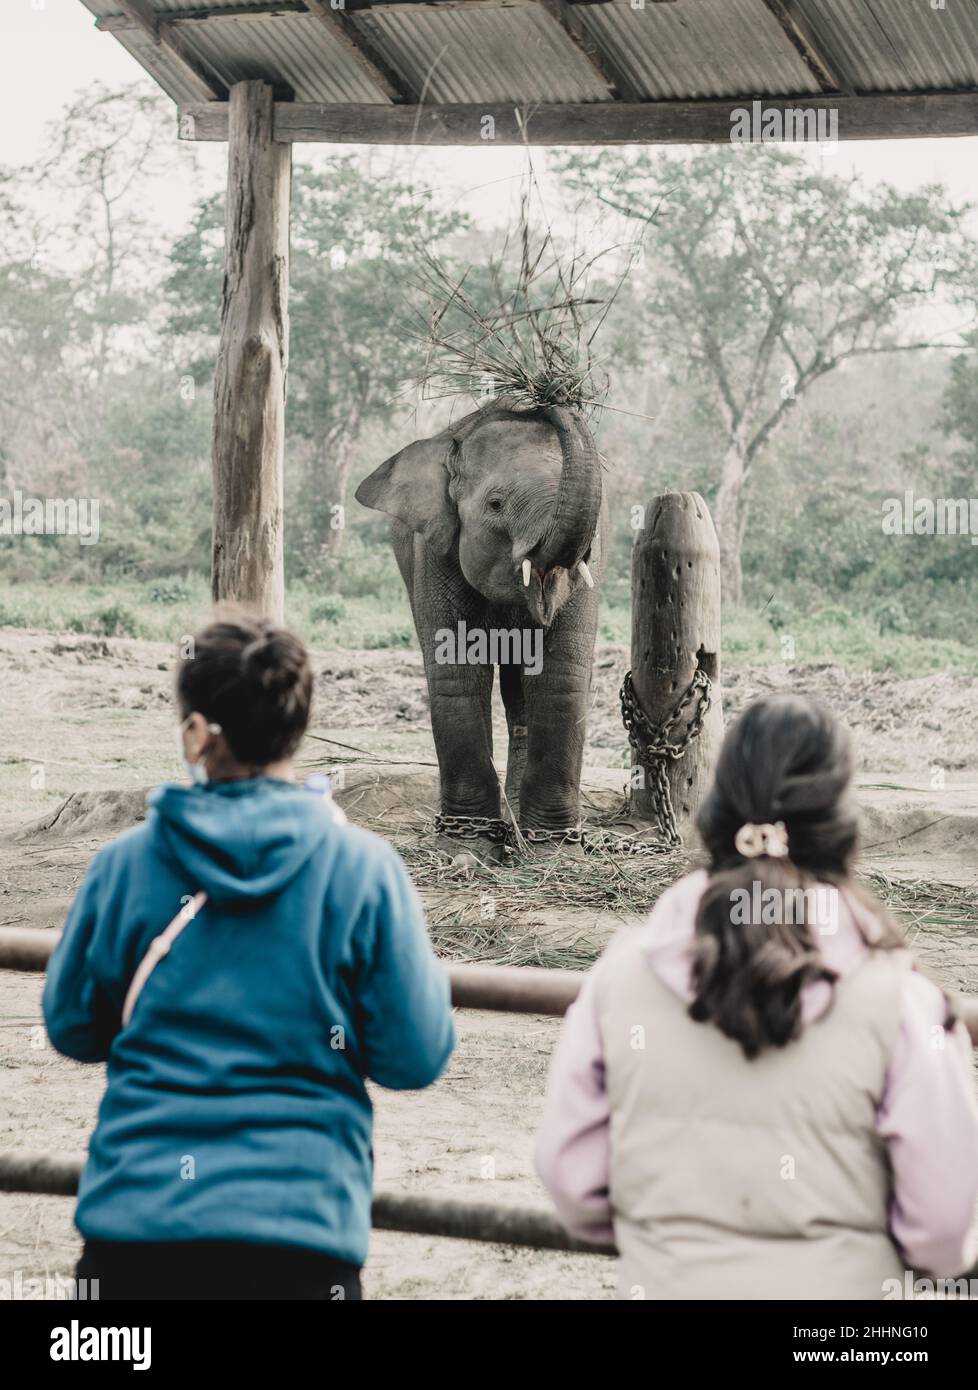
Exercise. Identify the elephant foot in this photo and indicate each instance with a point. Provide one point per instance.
(472, 855)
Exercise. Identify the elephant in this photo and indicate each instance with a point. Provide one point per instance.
(500, 521)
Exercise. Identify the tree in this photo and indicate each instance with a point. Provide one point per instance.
(41, 326)
(960, 416)
(88, 401)
(107, 153)
(768, 274)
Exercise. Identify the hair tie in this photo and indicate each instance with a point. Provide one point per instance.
(751, 841)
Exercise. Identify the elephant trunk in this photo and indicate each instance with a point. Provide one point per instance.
(578, 502)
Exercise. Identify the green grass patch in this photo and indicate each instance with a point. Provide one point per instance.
(836, 637)
(166, 609)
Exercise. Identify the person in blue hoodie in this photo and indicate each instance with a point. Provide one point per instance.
(232, 1156)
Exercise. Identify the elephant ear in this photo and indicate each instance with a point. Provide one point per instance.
(412, 486)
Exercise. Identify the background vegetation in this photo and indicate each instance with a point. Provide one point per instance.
(772, 336)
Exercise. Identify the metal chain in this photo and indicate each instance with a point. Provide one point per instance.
(593, 841)
(573, 835)
(471, 827)
(610, 842)
(486, 827)
(653, 748)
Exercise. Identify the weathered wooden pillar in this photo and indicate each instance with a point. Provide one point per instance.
(675, 634)
(252, 363)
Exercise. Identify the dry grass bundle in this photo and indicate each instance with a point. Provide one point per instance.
(607, 883)
(923, 905)
(523, 891)
(599, 882)
(504, 942)
(523, 328)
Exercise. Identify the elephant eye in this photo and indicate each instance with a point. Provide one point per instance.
(495, 504)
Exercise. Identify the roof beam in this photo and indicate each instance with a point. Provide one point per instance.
(141, 15)
(361, 48)
(801, 38)
(887, 116)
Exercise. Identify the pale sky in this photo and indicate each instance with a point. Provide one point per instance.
(52, 49)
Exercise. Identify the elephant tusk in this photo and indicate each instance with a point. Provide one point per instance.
(585, 574)
(526, 574)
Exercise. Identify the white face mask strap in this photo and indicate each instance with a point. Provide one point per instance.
(211, 728)
(197, 772)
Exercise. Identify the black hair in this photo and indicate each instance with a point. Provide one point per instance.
(785, 759)
(254, 680)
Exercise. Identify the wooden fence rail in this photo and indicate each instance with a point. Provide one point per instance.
(57, 1176)
(507, 988)
(517, 989)
(512, 989)
(503, 988)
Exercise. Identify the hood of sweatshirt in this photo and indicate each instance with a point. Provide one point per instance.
(240, 840)
(668, 938)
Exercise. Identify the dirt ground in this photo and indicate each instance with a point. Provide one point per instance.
(81, 718)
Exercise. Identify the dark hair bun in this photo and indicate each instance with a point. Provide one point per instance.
(254, 679)
(275, 661)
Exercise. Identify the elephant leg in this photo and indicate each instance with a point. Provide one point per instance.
(460, 693)
(511, 688)
(557, 702)
(461, 723)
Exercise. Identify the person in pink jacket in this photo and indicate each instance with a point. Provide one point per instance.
(757, 1094)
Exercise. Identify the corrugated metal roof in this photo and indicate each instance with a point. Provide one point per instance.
(897, 45)
(482, 53)
(705, 48)
(515, 50)
(179, 85)
(105, 9)
(178, 6)
(169, 73)
(291, 48)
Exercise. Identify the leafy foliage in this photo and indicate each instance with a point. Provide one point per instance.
(769, 274)
(108, 335)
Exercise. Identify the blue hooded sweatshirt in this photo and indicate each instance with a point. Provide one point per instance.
(236, 1107)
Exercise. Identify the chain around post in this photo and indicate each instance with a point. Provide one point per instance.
(653, 748)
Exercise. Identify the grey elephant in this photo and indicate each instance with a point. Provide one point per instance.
(499, 532)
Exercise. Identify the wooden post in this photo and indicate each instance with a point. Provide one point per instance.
(250, 381)
(675, 630)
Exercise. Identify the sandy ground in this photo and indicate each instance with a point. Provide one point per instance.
(83, 715)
